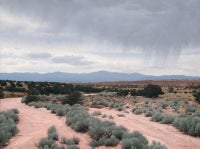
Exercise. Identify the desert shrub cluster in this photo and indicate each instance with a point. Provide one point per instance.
(72, 98)
(46, 143)
(163, 118)
(50, 142)
(103, 133)
(197, 96)
(189, 125)
(8, 120)
(52, 134)
(111, 104)
(96, 113)
(136, 140)
(187, 121)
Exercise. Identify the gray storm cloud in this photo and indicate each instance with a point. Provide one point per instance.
(156, 27)
(38, 55)
(71, 60)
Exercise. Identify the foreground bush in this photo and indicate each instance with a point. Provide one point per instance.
(134, 140)
(72, 147)
(105, 133)
(168, 119)
(52, 134)
(49, 142)
(157, 117)
(46, 143)
(78, 119)
(137, 111)
(163, 118)
(73, 141)
(157, 145)
(189, 125)
(8, 127)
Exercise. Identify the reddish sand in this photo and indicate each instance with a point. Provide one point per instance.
(34, 123)
(166, 134)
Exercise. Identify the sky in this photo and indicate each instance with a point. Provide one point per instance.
(154, 37)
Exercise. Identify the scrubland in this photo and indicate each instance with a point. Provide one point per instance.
(111, 117)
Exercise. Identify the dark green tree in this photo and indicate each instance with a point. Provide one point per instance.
(10, 88)
(31, 98)
(152, 91)
(33, 91)
(122, 92)
(197, 96)
(3, 83)
(73, 98)
(1, 93)
(19, 84)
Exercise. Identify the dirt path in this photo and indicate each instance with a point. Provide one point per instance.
(166, 134)
(34, 123)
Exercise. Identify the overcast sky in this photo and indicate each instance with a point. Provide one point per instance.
(156, 37)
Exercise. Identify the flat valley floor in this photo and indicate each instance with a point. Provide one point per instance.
(34, 123)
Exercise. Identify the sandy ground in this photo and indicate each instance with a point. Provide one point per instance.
(166, 134)
(34, 123)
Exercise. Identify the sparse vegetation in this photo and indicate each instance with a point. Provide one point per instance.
(73, 141)
(197, 96)
(96, 113)
(164, 109)
(8, 129)
(52, 134)
(1, 93)
(49, 142)
(189, 125)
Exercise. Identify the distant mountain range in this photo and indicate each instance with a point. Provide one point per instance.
(100, 76)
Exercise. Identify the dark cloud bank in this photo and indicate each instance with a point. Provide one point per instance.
(154, 26)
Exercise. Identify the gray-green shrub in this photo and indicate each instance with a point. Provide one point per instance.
(60, 112)
(73, 147)
(52, 134)
(96, 113)
(46, 142)
(134, 140)
(73, 141)
(137, 111)
(157, 117)
(148, 113)
(189, 125)
(167, 119)
(157, 145)
(8, 127)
